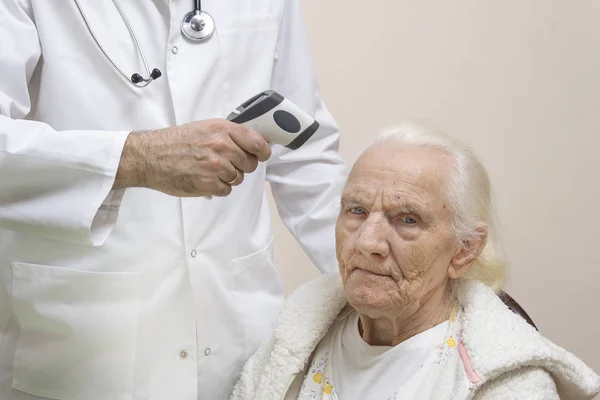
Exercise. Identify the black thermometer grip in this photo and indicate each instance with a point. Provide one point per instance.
(256, 106)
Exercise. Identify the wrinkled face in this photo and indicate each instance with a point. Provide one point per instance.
(394, 233)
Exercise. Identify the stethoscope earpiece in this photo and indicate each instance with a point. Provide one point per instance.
(137, 78)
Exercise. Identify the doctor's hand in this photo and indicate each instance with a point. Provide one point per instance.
(204, 158)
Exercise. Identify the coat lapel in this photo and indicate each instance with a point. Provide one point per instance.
(303, 322)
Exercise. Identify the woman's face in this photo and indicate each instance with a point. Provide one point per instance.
(394, 235)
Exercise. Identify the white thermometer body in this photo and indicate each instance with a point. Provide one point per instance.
(276, 119)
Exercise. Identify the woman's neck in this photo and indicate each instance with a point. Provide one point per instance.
(390, 331)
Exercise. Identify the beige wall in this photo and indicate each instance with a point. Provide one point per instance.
(517, 80)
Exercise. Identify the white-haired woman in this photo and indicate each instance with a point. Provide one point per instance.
(414, 311)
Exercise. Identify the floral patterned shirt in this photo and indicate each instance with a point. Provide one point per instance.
(409, 364)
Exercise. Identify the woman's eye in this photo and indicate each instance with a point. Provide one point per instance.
(358, 210)
(407, 219)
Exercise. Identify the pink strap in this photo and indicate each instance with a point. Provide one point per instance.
(467, 363)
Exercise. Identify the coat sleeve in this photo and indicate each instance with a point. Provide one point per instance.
(306, 182)
(529, 383)
(55, 184)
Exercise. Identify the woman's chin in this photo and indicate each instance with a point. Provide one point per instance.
(366, 298)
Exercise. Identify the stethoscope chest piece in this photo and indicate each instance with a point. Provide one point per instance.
(197, 25)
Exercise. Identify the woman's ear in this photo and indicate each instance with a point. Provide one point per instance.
(467, 254)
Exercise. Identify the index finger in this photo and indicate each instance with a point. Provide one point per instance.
(250, 141)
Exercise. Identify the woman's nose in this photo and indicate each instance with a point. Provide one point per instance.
(372, 239)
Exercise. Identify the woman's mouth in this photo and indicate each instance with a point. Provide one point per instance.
(367, 272)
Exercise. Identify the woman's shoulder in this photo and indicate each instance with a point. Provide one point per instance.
(304, 319)
(308, 312)
(533, 383)
(496, 341)
(316, 302)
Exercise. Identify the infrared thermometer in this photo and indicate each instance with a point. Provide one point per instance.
(276, 119)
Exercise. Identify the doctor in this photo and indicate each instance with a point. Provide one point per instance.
(118, 279)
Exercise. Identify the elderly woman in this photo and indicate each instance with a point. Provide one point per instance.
(414, 311)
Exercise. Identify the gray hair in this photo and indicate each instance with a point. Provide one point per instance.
(468, 193)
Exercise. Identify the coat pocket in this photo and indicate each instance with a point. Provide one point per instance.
(259, 295)
(248, 51)
(78, 332)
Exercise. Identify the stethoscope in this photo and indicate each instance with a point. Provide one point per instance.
(197, 25)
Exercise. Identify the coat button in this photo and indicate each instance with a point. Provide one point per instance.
(207, 352)
(174, 50)
(183, 354)
(193, 254)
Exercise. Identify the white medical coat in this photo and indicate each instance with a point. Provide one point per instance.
(134, 294)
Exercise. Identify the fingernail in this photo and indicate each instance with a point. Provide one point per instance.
(207, 197)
